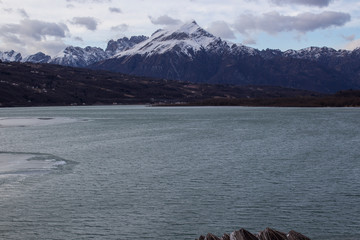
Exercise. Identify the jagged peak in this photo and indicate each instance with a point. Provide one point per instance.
(187, 30)
(184, 38)
(10, 56)
(38, 57)
(191, 28)
(315, 52)
(188, 27)
(123, 44)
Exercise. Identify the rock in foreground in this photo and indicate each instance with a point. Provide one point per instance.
(267, 234)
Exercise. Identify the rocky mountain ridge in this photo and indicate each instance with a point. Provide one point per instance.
(76, 56)
(189, 53)
(10, 56)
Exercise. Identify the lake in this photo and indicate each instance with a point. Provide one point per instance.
(136, 172)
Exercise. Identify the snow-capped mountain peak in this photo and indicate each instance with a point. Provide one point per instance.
(187, 39)
(79, 57)
(123, 44)
(315, 53)
(37, 58)
(10, 56)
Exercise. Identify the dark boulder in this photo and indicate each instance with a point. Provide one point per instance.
(210, 236)
(271, 234)
(242, 234)
(201, 238)
(267, 234)
(225, 237)
(292, 235)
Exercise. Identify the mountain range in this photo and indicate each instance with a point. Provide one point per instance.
(190, 53)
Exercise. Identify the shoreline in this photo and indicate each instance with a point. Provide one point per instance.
(187, 105)
(346, 98)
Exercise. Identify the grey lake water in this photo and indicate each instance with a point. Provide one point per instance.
(136, 172)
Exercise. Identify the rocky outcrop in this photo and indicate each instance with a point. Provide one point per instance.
(267, 234)
(79, 57)
(10, 56)
(37, 58)
(123, 44)
(270, 234)
(242, 234)
(292, 235)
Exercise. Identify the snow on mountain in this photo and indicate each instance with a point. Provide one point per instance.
(314, 53)
(37, 58)
(123, 44)
(82, 57)
(189, 53)
(10, 56)
(79, 57)
(239, 49)
(186, 39)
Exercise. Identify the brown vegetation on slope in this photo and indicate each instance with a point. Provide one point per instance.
(27, 84)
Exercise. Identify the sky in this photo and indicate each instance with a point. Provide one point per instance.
(30, 26)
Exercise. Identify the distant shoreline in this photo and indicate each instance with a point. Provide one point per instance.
(336, 100)
(292, 102)
(350, 98)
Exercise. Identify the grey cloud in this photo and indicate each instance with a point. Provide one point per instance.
(249, 41)
(49, 47)
(88, 22)
(34, 29)
(349, 38)
(8, 10)
(115, 10)
(120, 28)
(273, 22)
(87, 1)
(221, 29)
(353, 44)
(23, 13)
(318, 3)
(33, 35)
(79, 39)
(164, 20)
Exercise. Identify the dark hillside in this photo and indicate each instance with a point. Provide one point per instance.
(28, 84)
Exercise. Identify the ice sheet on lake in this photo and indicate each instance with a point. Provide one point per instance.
(39, 121)
(27, 163)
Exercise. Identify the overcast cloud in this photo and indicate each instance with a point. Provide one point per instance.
(120, 28)
(89, 1)
(23, 13)
(34, 34)
(274, 22)
(353, 44)
(261, 23)
(318, 3)
(79, 39)
(35, 29)
(221, 29)
(349, 38)
(115, 10)
(164, 20)
(88, 22)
